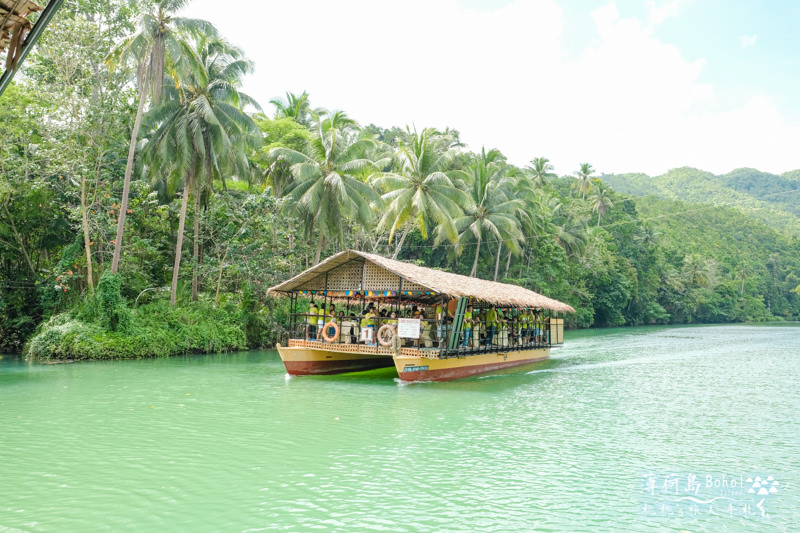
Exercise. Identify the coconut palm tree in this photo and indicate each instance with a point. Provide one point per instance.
(570, 229)
(491, 214)
(698, 271)
(294, 107)
(202, 132)
(584, 175)
(325, 192)
(422, 189)
(535, 217)
(541, 171)
(158, 47)
(600, 201)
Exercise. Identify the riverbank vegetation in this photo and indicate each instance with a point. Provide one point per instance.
(146, 204)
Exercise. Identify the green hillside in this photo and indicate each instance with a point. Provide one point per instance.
(772, 199)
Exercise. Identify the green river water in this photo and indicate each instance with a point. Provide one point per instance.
(644, 429)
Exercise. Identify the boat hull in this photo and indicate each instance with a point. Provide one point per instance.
(425, 369)
(310, 361)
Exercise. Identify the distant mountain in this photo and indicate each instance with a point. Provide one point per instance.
(773, 199)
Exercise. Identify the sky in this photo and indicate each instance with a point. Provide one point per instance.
(625, 85)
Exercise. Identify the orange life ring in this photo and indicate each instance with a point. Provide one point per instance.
(335, 335)
(381, 332)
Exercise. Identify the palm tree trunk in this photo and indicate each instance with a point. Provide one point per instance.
(196, 245)
(126, 186)
(528, 266)
(86, 246)
(497, 263)
(475, 263)
(508, 264)
(403, 238)
(319, 249)
(179, 244)
(291, 247)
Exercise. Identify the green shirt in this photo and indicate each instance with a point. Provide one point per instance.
(491, 317)
(467, 319)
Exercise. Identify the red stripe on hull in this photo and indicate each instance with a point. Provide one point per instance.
(320, 368)
(447, 374)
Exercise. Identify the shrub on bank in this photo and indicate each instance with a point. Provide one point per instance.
(152, 330)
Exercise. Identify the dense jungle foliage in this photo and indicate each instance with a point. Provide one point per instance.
(146, 204)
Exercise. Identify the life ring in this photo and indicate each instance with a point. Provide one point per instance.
(387, 341)
(330, 338)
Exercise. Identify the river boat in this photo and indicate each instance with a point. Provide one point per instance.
(437, 326)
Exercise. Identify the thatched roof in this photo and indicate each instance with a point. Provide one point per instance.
(360, 271)
(14, 25)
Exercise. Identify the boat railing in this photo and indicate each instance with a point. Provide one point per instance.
(435, 337)
(361, 348)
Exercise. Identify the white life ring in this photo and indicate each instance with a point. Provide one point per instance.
(382, 333)
(335, 335)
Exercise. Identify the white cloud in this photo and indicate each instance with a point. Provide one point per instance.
(660, 12)
(628, 103)
(747, 40)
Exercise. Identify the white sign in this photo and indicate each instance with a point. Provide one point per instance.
(408, 328)
(366, 334)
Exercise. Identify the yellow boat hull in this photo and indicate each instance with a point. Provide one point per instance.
(308, 358)
(411, 368)
(303, 358)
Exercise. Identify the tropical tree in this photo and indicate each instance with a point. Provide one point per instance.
(325, 192)
(699, 271)
(584, 175)
(295, 107)
(600, 201)
(541, 171)
(158, 47)
(491, 213)
(203, 132)
(422, 189)
(534, 217)
(279, 132)
(569, 227)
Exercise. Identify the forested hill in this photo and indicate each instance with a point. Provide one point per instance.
(773, 199)
(141, 220)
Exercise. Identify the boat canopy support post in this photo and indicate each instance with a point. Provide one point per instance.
(458, 322)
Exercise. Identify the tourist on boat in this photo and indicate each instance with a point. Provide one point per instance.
(523, 326)
(440, 318)
(330, 316)
(364, 320)
(321, 315)
(368, 322)
(443, 330)
(425, 336)
(491, 325)
(311, 322)
(467, 327)
(513, 327)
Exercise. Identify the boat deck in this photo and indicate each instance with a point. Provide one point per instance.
(431, 353)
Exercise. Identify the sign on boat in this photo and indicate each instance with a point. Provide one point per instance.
(358, 311)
